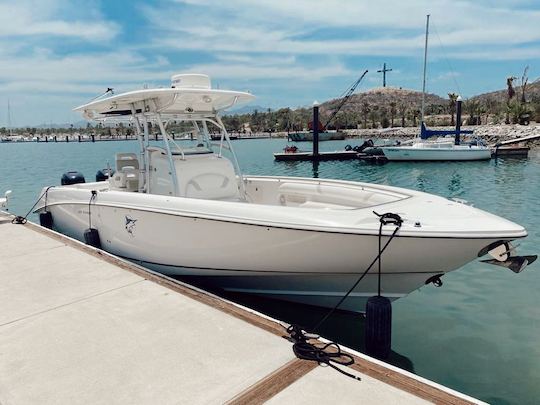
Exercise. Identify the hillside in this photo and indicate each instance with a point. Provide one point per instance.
(500, 96)
(383, 97)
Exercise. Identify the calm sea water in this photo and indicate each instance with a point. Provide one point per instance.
(479, 333)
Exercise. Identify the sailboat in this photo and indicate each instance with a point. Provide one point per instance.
(8, 139)
(438, 150)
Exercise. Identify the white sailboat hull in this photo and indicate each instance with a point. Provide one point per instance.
(414, 153)
(308, 264)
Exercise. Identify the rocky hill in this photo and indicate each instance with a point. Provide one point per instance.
(383, 97)
(532, 93)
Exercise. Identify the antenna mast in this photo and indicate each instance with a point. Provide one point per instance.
(9, 118)
(425, 64)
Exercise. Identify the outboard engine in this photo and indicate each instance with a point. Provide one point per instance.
(72, 178)
(104, 174)
(366, 144)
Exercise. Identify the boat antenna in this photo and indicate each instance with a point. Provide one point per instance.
(109, 90)
(424, 79)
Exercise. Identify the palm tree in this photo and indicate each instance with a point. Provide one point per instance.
(403, 113)
(393, 112)
(365, 112)
(373, 115)
(452, 107)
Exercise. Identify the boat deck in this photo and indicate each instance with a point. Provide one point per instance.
(81, 326)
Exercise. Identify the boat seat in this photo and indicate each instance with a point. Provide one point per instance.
(126, 160)
(126, 180)
(209, 178)
(311, 195)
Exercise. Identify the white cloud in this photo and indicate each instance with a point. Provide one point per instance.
(53, 18)
(393, 27)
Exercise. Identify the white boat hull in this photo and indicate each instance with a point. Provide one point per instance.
(301, 265)
(462, 153)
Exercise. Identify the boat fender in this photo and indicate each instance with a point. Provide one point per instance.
(104, 174)
(72, 177)
(46, 220)
(435, 280)
(378, 327)
(91, 237)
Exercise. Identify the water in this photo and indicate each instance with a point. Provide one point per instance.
(477, 334)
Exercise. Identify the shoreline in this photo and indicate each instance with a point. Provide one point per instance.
(490, 133)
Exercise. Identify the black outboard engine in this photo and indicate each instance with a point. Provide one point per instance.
(104, 174)
(366, 144)
(72, 178)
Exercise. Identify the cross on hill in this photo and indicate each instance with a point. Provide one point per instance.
(383, 71)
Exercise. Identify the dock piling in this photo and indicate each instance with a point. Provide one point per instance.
(458, 119)
(315, 129)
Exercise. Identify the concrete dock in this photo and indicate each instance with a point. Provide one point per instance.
(80, 326)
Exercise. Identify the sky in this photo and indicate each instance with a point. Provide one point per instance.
(58, 54)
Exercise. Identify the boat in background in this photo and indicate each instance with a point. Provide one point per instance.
(444, 149)
(189, 211)
(307, 136)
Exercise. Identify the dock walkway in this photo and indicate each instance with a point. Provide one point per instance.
(80, 326)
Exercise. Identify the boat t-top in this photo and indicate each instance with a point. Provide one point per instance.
(189, 210)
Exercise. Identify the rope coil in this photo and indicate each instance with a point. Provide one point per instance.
(305, 350)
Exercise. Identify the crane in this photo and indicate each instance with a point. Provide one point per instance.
(346, 97)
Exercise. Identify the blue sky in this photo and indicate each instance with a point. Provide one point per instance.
(57, 54)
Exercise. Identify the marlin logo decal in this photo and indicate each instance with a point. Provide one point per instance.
(130, 225)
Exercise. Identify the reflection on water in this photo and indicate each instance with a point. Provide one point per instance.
(315, 165)
(477, 334)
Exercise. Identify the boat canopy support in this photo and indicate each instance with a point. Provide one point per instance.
(142, 117)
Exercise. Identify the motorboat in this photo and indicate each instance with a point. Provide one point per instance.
(445, 149)
(190, 211)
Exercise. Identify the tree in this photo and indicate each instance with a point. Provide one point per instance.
(365, 111)
(524, 80)
(510, 94)
(452, 107)
(403, 113)
(373, 116)
(393, 112)
(473, 109)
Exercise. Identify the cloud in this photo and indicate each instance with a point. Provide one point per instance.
(287, 52)
(386, 28)
(41, 18)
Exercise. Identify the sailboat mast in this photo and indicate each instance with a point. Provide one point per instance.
(425, 65)
(9, 118)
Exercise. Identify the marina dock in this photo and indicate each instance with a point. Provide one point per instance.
(79, 325)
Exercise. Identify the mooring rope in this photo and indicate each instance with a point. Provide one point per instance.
(384, 219)
(23, 220)
(305, 350)
(92, 198)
